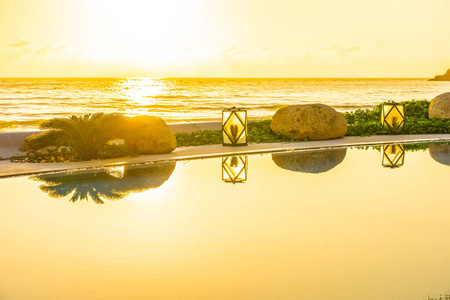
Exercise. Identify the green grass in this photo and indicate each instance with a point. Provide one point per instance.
(359, 123)
(408, 147)
(258, 132)
(368, 121)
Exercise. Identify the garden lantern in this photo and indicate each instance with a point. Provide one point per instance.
(234, 127)
(393, 156)
(234, 169)
(393, 117)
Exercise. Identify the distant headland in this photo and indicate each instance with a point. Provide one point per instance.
(445, 77)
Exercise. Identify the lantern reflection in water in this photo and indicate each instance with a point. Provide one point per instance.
(234, 127)
(234, 169)
(393, 156)
(393, 117)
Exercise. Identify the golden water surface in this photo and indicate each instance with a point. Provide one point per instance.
(356, 231)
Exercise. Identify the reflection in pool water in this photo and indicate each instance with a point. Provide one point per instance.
(346, 233)
(108, 183)
(393, 155)
(316, 161)
(440, 153)
(234, 169)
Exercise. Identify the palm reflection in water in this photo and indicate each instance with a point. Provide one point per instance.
(106, 183)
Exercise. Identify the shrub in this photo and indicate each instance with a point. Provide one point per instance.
(361, 122)
(86, 135)
(368, 121)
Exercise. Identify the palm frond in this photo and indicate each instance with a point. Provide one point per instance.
(57, 191)
(86, 134)
(54, 137)
(95, 197)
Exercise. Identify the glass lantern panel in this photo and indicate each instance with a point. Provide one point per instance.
(393, 155)
(393, 117)
(234, 127)
(225, 116)
(242, 115)
(234, 169)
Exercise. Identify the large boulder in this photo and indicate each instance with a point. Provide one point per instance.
(440, 153)
(309, 121)
(139, 178)
(440, 107)
(147, 135)
(317, 161)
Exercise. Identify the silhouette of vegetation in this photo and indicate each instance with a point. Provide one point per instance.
(408, 147)
(95, 188)
(106, 183)
(85, 135)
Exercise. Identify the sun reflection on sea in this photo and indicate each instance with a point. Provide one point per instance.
(141, 91)
(163, 98)
(141, 95)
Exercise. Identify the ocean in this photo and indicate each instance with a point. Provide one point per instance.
(25, 102)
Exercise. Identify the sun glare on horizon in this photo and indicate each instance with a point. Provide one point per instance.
(140, 30)
(214, 38)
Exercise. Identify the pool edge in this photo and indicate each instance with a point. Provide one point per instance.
(9, 169)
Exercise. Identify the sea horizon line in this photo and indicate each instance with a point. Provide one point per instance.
(169, 77)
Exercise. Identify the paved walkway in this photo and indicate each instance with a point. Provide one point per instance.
(8, 169)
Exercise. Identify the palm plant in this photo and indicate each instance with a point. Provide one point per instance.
(85, 134)
(101, 184)
(95, 186)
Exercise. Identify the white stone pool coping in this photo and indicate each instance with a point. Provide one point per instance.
(9, 169)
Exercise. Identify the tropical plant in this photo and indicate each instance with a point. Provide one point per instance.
(95, 186)
(105, 183)
(86, 135)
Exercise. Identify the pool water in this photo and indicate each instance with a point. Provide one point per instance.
(331, 224)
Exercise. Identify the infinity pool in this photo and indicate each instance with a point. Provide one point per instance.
(331, 224)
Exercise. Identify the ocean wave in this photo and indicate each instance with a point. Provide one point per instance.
(20, 125)
(175, 97)
(24, 103)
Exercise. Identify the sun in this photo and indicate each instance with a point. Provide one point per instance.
(159, 32)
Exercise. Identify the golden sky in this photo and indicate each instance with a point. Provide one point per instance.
(224, 38)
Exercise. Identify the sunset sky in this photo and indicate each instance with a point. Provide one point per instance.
(224, 38)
